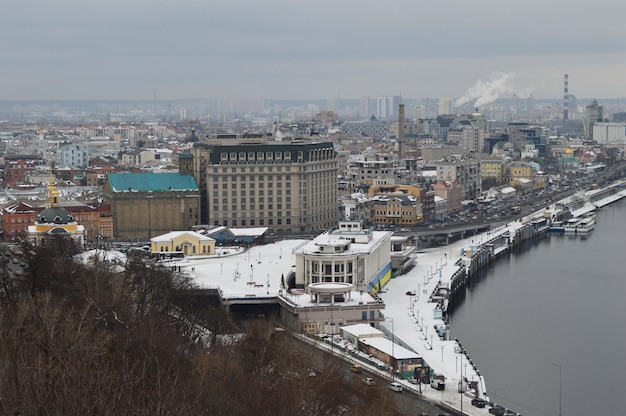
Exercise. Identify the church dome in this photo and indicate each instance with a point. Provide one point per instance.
(55, 215)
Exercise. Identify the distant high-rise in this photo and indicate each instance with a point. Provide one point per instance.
(593, 115)
(565, 97)
(386, 106)
(364, 109)
(401, 131)
(445, 105)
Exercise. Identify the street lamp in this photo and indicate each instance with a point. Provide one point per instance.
(560, 386)
(461, 383)
(393, 355)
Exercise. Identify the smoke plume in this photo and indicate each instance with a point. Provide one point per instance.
(485, 92)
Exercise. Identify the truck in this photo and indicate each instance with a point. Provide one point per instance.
(438, 381)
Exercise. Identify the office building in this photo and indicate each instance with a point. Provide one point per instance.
(287, 187)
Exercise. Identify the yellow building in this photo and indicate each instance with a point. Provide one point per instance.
(188, 243)
(515, 171)
(492, 169)
(55, 221)
(397, 204)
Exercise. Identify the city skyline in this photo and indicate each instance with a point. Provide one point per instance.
(284, 50)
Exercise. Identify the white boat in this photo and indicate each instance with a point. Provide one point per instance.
(586, 224)
(571, 226)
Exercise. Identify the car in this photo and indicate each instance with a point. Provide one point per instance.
(412, 380)
(312, 373)
(395, 386)
(497, 410)
(356, 368)
(478, 402)
(410, 293)
(369, 381)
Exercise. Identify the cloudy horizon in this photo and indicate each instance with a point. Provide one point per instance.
(281, 49)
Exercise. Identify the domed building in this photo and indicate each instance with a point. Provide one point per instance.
(55, 221)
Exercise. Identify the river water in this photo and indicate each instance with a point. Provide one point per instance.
(557, 307)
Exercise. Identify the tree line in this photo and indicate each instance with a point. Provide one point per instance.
(100, 338)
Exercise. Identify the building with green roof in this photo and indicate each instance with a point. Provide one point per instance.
(147, 204)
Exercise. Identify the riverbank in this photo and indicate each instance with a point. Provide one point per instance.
(414, 320)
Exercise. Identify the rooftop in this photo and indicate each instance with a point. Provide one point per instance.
(151, 182)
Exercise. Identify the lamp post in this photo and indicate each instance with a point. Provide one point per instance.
(393, 343)
(560, 387)
(461, 383)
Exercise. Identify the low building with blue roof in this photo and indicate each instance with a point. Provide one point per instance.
(144, 205)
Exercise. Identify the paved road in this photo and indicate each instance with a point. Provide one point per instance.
(406, 403)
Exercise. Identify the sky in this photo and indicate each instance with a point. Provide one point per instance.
(290, 49)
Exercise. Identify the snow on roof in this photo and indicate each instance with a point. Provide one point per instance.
(357, 247)
(507, 190)
(394, 350)
(362, 330)
(245, 232)
(175, 234)
(244, 273)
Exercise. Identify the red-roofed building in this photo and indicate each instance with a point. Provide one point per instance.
(98, 221)
(16, 218)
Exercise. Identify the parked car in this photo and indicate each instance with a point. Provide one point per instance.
(497, 410)
(412, 380)
(395, 386)
(478, 402)
(410, 293)
(369, 381)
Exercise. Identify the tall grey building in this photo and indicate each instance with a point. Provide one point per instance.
(387, 107)
(364, 108)
(287, 187)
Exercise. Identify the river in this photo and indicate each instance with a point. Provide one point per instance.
(553, 310)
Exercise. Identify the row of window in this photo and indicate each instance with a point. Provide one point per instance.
(279, 168)
(252, 207)
(328, 268)
(261, 185)
(205, 249)
(253, 222)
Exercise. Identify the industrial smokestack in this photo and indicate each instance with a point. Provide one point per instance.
(401, 131)
(565, 98)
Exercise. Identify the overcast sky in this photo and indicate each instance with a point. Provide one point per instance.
(323, 49)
